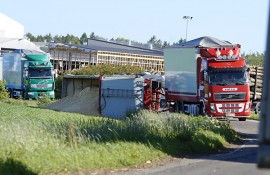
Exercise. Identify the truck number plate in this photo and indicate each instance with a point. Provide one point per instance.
(41, 86)
(230, 114)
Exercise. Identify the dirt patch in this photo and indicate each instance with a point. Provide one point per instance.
(83, 102)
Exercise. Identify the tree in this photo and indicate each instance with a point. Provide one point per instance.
(165, 44)
(83, 38)
(48, 37)
(157, 43)
(254, 58)
(92, 36)
(71, 39)
(31, 37)
(120, 39)
(40, 38)
(152, 40)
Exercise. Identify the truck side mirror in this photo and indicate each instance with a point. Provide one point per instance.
(26, 74)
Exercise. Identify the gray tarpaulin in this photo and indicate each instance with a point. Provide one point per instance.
(205, 42)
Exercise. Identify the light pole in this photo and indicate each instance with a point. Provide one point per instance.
(188, 18)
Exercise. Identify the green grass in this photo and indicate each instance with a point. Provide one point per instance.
(40, 141)
(254, 116)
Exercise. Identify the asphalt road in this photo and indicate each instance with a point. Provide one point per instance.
(238, 160)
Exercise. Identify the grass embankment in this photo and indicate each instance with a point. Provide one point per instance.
(40, 141)
(254, 116)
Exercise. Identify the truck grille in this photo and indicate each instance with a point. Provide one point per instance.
(230, 108)
(230, 96)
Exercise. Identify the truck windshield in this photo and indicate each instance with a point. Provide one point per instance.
(228, 78)
(36, 73)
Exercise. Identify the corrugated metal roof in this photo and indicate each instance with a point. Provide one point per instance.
(100, 45)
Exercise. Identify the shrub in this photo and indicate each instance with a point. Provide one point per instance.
(4, 94)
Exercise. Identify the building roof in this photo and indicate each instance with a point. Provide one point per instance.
(17, 43)
(95, 45)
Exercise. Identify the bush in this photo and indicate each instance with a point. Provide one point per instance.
(107, 69)
(4, 94)
(43, 100)
(58, 87)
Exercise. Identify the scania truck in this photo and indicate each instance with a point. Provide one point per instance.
(28, 74)
(207, 76)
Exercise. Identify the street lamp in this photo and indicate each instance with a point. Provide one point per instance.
(188, 18)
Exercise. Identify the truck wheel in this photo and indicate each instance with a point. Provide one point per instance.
(242, 119)
(10, 93)
(258, 108)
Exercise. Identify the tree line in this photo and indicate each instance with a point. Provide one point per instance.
(252, 58)
(69, 38)
(256, 59)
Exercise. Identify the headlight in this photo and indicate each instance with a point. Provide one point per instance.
(212, 106)
(30, 93)
(33, 85)
(51, 92)
(247, 105)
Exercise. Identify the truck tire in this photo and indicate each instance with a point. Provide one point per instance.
(242, 119)
(202, 109)
(178, 106)
(10, 93)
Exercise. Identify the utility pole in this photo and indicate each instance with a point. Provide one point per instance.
(188, 18)
(263, 155)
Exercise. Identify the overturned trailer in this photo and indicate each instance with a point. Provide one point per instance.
(109, 96)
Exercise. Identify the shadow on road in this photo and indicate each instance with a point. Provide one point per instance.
(244, 151)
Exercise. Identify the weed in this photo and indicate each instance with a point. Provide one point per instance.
(43, 100)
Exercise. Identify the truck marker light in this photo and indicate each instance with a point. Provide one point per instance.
(218, 53)
(230, 53)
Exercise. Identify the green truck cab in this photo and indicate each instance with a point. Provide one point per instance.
(28, 74)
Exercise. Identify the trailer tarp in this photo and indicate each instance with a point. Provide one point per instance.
(205, 42)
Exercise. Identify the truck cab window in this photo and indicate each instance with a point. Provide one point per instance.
(228, 78)
(40, 73)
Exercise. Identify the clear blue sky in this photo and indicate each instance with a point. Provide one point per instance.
(238, 21)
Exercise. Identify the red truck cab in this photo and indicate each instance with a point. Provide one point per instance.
(226, 92)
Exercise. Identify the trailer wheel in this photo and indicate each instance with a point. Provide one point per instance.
(258, 108)
(178, 106)
(163, 103)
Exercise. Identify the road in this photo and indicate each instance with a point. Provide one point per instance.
(239, 160)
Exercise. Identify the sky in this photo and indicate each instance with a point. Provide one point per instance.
(241, 22)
